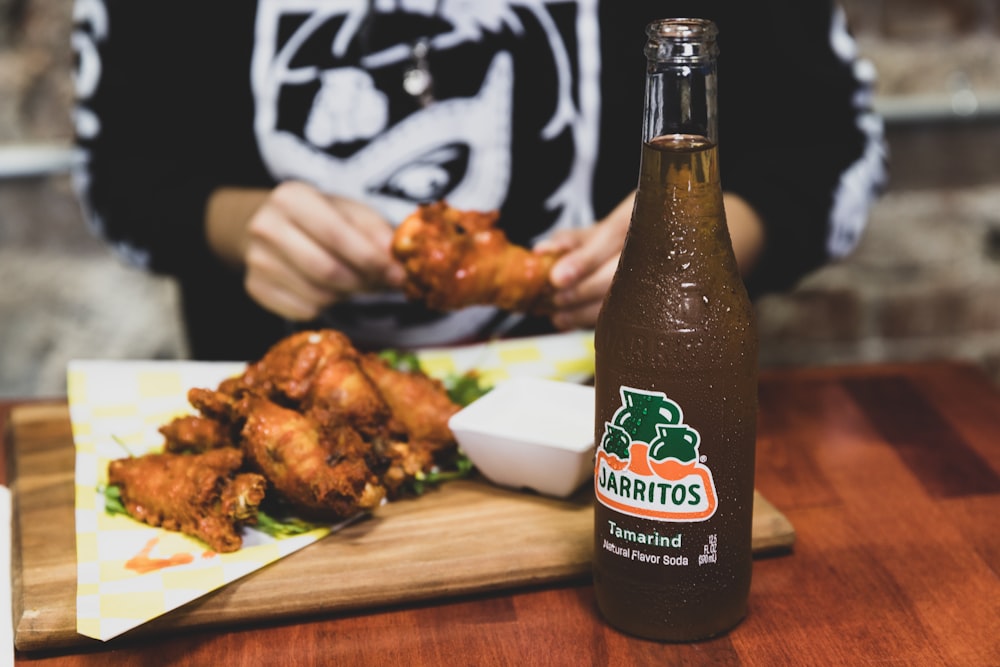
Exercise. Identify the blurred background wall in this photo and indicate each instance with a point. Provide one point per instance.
(924, 284)
(62, 294)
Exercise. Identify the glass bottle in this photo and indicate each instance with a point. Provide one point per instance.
(676, 373)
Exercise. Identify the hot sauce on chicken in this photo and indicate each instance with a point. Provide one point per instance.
(456, 258)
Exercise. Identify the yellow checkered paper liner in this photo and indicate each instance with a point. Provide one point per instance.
(566, 356)
(117, 407)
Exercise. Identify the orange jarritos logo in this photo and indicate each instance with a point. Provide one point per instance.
(647, 464)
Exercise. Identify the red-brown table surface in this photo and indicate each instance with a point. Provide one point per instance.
(891, 477)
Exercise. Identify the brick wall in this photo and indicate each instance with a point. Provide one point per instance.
(923, 283)
(62, 294)
(35, 55)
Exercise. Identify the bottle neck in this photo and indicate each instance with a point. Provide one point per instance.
(679, 189)
(680, 79)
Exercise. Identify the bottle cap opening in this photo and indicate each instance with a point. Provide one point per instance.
(681, 40)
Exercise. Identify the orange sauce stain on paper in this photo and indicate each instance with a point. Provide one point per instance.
(142, 562)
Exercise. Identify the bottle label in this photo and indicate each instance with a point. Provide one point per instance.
(648, 465)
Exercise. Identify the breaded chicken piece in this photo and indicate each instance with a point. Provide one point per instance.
(213, 428)
(196, 494)
(323, 427)
(420, 408)
(323, 472)
(418, 402)
(194, 433)
(289, 368)
(318, 374)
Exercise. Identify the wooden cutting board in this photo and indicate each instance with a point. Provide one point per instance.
(465, 537)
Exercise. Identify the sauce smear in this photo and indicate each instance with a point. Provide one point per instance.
(142, 563)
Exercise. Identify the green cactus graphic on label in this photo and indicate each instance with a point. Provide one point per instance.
(647, 464)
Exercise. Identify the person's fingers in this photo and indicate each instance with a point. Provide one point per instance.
(385, 269)
(590, 289)
(561, 240)
(294, 303)
(600, 247)
(352, 233)
(306, 250)
(282, 288)
(578, 305)
(286, 272)
(366, 220)
(286, 269)
(600, 244)
(582, 317)
(277, 246)
(360, 238)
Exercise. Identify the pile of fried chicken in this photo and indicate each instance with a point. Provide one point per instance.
(455, 258)
(321, 427)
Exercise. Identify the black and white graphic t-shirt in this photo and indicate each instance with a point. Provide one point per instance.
(332, 107)
(531, 107)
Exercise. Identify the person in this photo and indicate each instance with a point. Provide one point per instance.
(262, 152)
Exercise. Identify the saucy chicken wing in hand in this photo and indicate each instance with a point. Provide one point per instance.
(456, 258)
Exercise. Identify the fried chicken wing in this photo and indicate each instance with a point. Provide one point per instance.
(420, 411)
(455, 259)
(318, 373)
(289, 368)
(197, 494)
(218, 403)
(194, 433)
(214, 427)
(419, 403)
(323, 472)
(326, 429)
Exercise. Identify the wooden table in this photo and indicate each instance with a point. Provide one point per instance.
(891, 477)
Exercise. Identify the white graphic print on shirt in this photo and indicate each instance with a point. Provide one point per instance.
(361, 136)
(349, 106)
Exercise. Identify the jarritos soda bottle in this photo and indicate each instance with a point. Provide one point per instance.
(676, 374)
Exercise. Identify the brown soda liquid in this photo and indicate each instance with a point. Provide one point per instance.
(678, 328)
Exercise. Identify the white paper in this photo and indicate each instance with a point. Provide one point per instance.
(6, 613)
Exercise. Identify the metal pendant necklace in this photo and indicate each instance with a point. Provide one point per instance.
(417, 79)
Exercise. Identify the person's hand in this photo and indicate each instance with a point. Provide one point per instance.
(304, 250)
(583, 275)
